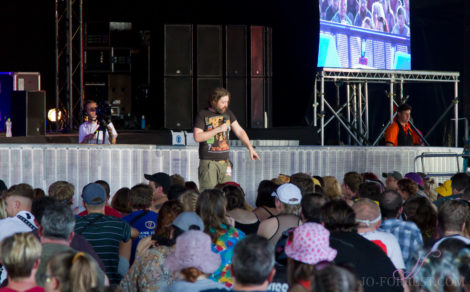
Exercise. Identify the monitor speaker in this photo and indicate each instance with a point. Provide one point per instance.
(28, 113)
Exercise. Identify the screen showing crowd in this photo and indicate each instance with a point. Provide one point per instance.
(372, 34)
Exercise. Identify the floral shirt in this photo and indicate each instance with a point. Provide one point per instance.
(224, 247)
(148, 273)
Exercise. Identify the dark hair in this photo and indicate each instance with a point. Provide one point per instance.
(408, 185)
(39, 206)
(253, 260)
(217, 94)
(353, 180)
(235, 197)
(460, 181)
(452, 246)
(370, 190)
(141, 196)
(369, 176)
(105, 185)
(298, 271)
(121, 200)
(421, 211)
(190, 185)
(38, 193)
(167, 213)
(303, 181)
(311, 206)
(390, 204)
(175, 191)
(452, 215)
(264, 198)
(337, 215)
(403, 107)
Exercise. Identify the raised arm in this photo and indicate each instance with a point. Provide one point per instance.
(241, 134)
(200, 135)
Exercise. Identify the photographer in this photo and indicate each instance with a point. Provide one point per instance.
(96, 130)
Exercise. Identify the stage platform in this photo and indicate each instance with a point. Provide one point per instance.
(124, 165)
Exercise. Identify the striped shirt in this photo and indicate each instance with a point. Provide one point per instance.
(105, 233)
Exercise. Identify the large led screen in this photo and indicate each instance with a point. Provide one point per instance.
(369, 34)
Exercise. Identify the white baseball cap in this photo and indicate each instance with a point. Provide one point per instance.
(288, 194)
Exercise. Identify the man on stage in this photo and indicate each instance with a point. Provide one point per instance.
(92, 131)
(399, 133)
(211, 130)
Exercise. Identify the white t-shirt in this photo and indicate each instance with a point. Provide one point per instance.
(92, 127)
(390, 243)
(12, 225)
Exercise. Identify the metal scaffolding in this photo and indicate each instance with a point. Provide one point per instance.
(69, 65)
(356, 121)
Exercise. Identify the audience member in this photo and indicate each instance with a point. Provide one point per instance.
(245, 220)
(189, 199)
(407, 233)
(141, 218)
(407, 188)
(350, 186)
(211, 207)
(459, 182)
(337, 279)
(391, 180)
(175, 191)
(332, 188)
(20, 254)
(341, 16)
(401, 27)
(265, 206)
(307, 246)
(177, 179)
(287, 202)
(63, 191)
(38, 193)
(108, 235)
(121, 201)
(368, 218)
(378, 17)
(71, 271)
(451, 218)
(190, 185)
(424, 214)
(370, 190)
(148, 272)
(252, 264)
(311, 206)
(369, 261)
(303, 181)
(56, 233)
(194, 260)
(362, 13)
(107, 209)
(331, 10)
(160, 183)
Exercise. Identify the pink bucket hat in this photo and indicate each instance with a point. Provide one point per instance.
(310, 244)
(193, 250)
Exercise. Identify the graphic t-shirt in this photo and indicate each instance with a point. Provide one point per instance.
(146, 224)
(217, 147)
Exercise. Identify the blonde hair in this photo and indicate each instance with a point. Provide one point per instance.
(61, 191)
(189, 200)
(19, 253)
(331, 187)
(3, 211)
(75, 271)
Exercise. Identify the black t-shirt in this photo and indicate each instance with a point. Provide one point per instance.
(372, 266)
(217, 147)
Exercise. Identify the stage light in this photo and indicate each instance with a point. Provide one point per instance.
(53, 116)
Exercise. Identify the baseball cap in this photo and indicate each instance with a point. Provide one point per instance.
(161, 179)
(288, 194)
(187, 219)
(394, 174)
(94, 194)
(415, 177)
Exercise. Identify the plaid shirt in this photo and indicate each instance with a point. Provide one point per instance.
(408, 236)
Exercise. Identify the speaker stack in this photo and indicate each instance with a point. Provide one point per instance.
(237, 57)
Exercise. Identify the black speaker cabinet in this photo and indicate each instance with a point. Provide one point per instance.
(209, 50)
(236, 50)
(178, 55)
(238, 90)
(28, 113)
(120, 93)
(178, 103)
(205, 86)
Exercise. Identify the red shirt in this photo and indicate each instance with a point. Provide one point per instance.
(107, 211)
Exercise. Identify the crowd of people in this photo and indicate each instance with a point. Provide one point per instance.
(391, 16)
(305, 233)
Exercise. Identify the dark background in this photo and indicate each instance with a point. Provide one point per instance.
(440, 35)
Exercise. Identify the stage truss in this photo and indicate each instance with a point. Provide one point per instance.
(356, 121)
